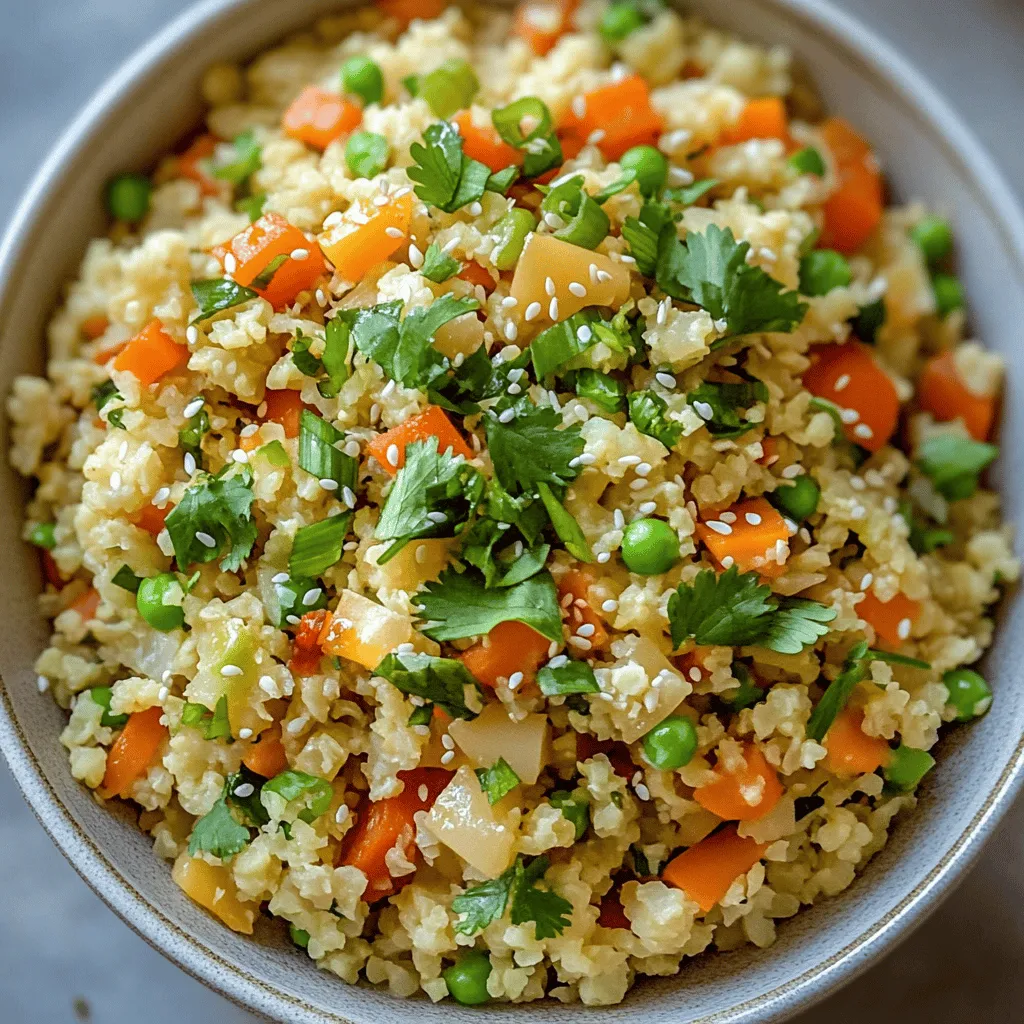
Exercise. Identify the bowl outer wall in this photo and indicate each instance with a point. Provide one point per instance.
(144, 110)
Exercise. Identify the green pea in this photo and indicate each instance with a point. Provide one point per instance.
(797, 500)
(935, 237)
(128, 197)
(43, 536)
(649, 165)
(510, 233)
(650, 547)
(949, 295)
(299, 936)
(154, 605)
(467, 980)
(102, 695)
(822, 270)
(366, 154)
(449, 88)
(620, 20)
(671, 743)
(907, 768)
(968, 693)
(808, 161)
(575, 807)
(362, 77)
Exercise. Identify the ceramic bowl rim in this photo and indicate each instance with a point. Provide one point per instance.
(884, 63)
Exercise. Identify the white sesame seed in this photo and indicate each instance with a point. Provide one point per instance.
(341, 814)
(267, 684)
(511, 331)
(629, 460)
(643, 469)
(662, 314)
(515, 680)
(666, 380)
(587, 630)
(596, 136)
(42, 684)
(351, 448)
(230, 263)
(580, 643)
(588, 459)
(792, 472)
(249, 429)
(695, 674)
(240, 456)
(619, 519)
(311, 596)
(604, 556)
(532, 311)
(475, 209)
(704, 411)
(553, 309)
(447, 757)
(863, 431)
(719, 527)
(447, 742)
(638, 485)
(393, 232)
(849, 416)
(507, 416)
(332, 220)
(415, 256)
(191, 334)
(328, 484)
(579, 106)
(189, 463)
(161, 495)
(230, 671)
(549, 286)
(642, 791)
(261, 410)
(611, 605)
(858, 512)
(509, 301)
(392, 455)
(299, 254)
(728, 517)
(205, 539)
(647, 508)
(437, 517)
(903, 629)
(841, 382)
(604, 275)
(296, 725)
(753, 518)
(246, 788)
(577, 289)
(115, 480)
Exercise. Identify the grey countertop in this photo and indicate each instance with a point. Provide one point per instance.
(66, 957)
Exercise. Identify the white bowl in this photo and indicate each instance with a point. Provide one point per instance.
(143, 111)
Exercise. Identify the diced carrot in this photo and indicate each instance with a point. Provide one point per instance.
(848, 376)
(285, 407)
(151, 354)
(367, 235)
(707, 870)
(850, 750)
(408, 10)
(250, 442)
(891, 620)
(541, 23)
(617, 752)
(194, 165)
(854, 209)
(266, 756)
(762, 118)
(622, 111)
(86, 604)
(746, 795)
(751, 539)
(477, 275)
(151, 519)
(943, 392)
(483, 143)
(94, 326)
(133, 750)
(318, 117)
(252, 250)
(693, 660)
(306, 647)
(432, 422)
(578, 582)
(508, 648)
(383, 824)
(611, 914)
(770, 451)
(213, 886)
(50, 571)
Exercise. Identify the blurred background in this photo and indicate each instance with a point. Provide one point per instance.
(66, 957)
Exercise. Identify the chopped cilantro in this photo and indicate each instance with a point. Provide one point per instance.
(331, 369)
(690, 194)
(460, 605)
(642, 234)
(736, 609)
(606, 392)
(575, 807)
(725, 402)
(571, 677)
(531, 448)
(438, 266)
(290, 598)
(869, 320)
(953, 463)
(497, 781)
(445, 176)
(445, 682)
(503, 569)
(423, 714)
(219, 831)
(924, 538)
(214, 295)
(102, 395)
(126, 580)
(292, 785)
(213, 514)
(648, 412)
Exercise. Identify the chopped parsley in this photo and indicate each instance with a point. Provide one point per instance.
(224, 829)
(954, 463)
(514, 890)
(571, 677)
(724, 402)
(531, 448)
(438, 266)
(213, 515)
(433, 495)
(214, 295)
(497, 781)
(126, 580)
(459, 605)
(648, 412)
(737, 610)
(445, 682)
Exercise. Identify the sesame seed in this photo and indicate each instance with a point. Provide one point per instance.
(328, 484)
(393, 232)
(509, 301)
(230, 263)
(753, 518)
(240, 456)
(580, 643)
(588, 459)
(261, 410)
(511, 331)
(704, 411)
(532, 311)
(437, 517)
(351, 448)
(320, 296)
(841, 382)
(643, 469)
(475, 209)
(415, 256)
(619, 519)
(507, 416)
(695, 675)
(392, 455)
(662, 314)
(549, 286)
(292, 620)
(205, 539)
(638, 485)
(579, 106)
(595, 137)
(191, 334)
(515, 680)
(577, 289)
(230, 671)
(849, 416)
(42, 684)
(603, 275)
(161, 495)
(189, 463)
(332, 220)
(647, 508)
(858, 512)
(719, 527)
(862, 430)
(115, 480)
(249, 429)
(679, 176)
(629, 460)
(553, 309)
(447, 742)
(267, 684)
(296, 725)
(342, 813)
(792, 472)
(611, 605)
(587, 630)
(604, 556)
(728, 517)
(299, 254)
(903, 629)
(666, 380)
(642, 791)
(447, 757)
(311, 596)
(246, 788)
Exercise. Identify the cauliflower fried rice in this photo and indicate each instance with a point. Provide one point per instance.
(510, 498)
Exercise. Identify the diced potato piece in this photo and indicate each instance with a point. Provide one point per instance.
(564, 263)
(212, 887)
(492, 734)
(671, 693)
(461, 336)
(232, 647)
(366, 235)
(364, 631)
(365, 293)
(417, 563)
(466, 823)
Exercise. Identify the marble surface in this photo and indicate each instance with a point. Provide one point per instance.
(67, 958)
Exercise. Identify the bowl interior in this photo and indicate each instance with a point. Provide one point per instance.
(156, 101)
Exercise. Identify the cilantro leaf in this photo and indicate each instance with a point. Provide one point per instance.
(838, 692)
(531, 449)
(711, 269)
(432, 495)
(690, 194)
(333, 361)
(643, 235)
(549, 911)
(648, 412)
(291, 785)
(566, 527)
(446, 177)
(441, 681)
(953, 463)
(497, 781)
(737, 610)
(459, 605)
(723, 402)
(218, 831)
(575, 807)
(479, 378)
(214, 514)
(483, 903)
(571, 677)
(500, 570)
(126, 580)
(438, 266)
(102, 395)
(214, 295)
